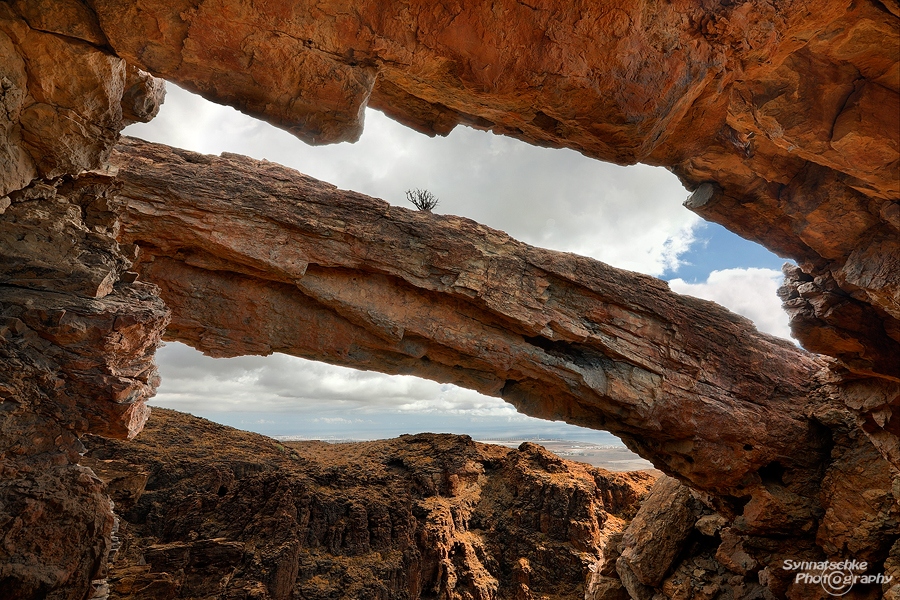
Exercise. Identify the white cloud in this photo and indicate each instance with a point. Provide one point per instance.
(630, 217)
(749, 292)
(281, 383)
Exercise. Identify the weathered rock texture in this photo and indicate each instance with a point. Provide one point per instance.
(63, 96)
(76, 345)
(782, 118)
(255, 258)
(233, 514)
(77, 334)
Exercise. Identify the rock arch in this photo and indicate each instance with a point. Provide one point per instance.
(782, 118)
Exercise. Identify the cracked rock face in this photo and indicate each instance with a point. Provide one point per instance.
(77, 334)
(364, 284)
(60, 94)
(771, 438)
(785, 114)
(782, 118)
(425, 515)
(76, 345)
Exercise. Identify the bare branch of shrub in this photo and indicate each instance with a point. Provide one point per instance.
(422, 199)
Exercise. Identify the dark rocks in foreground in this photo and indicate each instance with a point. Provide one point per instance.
(207, 511)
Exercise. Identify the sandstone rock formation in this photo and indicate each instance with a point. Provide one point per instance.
(782, 118)
(255, 258)
(785, 117)
(76, 345)
(77, 333)
(765, 432)
(65, 97)
(234, 514)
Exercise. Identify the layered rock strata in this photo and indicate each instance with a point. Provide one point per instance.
(76, 345)
(781, 118)
(77, 333)
(760, 427)
(784, 118)
(234, 514)
(255, 258)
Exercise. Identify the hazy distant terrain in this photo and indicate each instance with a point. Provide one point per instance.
(609, 457)
(612, 457)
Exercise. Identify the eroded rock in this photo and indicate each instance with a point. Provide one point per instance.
(348, 279)
(658, 532)
(786, 115)
(419, 516)
(76, 348)
(782, 118)
(55, 386)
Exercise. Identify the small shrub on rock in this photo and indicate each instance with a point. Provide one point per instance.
(422, 199)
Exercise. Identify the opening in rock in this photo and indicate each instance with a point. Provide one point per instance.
(630, 217)
(294, 399)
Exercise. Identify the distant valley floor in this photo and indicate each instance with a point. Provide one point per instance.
(611, 458)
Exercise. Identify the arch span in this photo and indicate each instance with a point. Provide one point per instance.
(255, 258)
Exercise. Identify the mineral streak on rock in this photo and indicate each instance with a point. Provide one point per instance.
(236, 514)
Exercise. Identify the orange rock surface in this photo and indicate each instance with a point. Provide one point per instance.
(767, 432)
(782, 118)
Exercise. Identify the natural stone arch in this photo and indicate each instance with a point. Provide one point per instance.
(255, 258)
(804, 166)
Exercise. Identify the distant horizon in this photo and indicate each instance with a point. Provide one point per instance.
(628, 217)
(500, 441)
(368, 425)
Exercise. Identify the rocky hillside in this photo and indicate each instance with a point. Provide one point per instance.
(207, 511)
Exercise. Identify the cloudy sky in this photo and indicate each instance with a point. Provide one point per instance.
(629, 217)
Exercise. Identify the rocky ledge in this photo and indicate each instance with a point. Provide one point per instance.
(237, 515)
